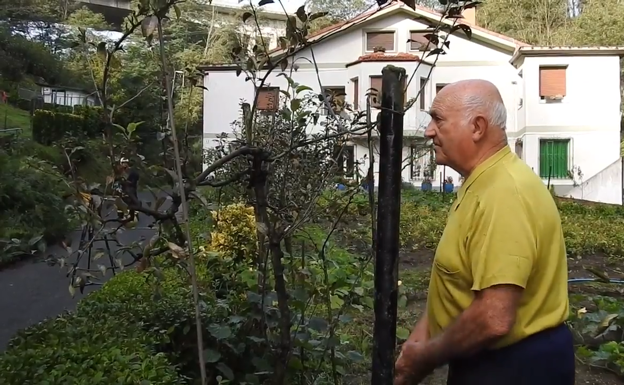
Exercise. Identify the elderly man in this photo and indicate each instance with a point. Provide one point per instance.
(498, 295)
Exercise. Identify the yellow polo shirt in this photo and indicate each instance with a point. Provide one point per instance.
(503, 228)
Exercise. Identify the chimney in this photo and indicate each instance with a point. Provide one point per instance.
(470, 15)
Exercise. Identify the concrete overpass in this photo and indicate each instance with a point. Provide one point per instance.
(114, 11)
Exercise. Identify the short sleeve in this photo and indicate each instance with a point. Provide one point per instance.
(501, 244)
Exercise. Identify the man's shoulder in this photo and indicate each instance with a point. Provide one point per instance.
(510, 179)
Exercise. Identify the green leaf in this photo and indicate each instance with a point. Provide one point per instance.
(318, 324)
(317, 15)
(211, 356)
(301, 14)
(148, 26)
(227, 372)
(265, 2)
(402, 301)
(355, 356)
(302, 88)
(402, 333)
(295, 104)
(177, 11)
(219, 331)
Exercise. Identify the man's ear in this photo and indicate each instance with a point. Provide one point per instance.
(479, 128)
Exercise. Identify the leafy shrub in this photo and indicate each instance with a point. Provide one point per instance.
(77, 350)
(234, 235)
(49, 126)
(30, 199)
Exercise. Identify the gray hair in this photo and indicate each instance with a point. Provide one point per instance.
(495, 110)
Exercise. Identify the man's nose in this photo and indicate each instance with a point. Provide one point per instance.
(429, 131)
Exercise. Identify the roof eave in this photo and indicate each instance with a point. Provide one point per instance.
(524, 52)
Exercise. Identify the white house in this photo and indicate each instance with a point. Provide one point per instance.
(67, 96)
(271, 18)
(566, 127)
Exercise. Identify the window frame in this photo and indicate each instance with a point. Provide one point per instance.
(410, 40)
(345, 159)
(423, 93)
(343, 89)
(381, 31)
(556, 175)
(555, 97)
(425, 161)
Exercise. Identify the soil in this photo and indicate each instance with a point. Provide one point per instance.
(421, 260)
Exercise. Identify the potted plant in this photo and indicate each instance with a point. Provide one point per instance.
(426, 184)
(448, 185)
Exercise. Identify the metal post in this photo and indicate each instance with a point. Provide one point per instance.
(387, 253)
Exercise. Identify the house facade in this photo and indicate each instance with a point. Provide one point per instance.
(271, 19)
(545, 89)
(67, 96)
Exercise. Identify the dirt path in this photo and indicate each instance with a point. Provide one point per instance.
(414, 268)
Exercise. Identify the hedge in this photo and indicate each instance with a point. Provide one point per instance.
(51, 126)
(117, 335)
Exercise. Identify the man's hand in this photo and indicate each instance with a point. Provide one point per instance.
(412, 365)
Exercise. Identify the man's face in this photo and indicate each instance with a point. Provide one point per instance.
(449, 130)
(124, 165)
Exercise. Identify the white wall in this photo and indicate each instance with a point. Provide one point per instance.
(592, 93)
(588, 115)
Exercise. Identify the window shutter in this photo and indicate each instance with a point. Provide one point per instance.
(380, 39)
(268, 99)
(375, 93)
(552, 81)
(356, 93)
(418, 41)
(554, 159)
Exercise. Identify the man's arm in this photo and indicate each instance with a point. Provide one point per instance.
(490, 317)
(420, 333)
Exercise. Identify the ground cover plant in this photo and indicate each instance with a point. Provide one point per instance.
(259, 269)
(158, 315)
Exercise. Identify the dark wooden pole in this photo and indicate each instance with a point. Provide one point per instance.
(387, 250)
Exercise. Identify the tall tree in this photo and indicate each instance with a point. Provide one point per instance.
(535, 22)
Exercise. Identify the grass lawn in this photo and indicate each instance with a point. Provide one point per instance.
(12, 117)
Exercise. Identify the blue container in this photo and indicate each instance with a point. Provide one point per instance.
(426, 186)
(449, 187)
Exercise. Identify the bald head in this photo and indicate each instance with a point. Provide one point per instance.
(468, 123)
(477, 97)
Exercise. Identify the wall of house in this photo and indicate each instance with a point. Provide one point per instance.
(588, 116)
(604, 187)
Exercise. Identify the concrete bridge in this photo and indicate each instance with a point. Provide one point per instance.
(114, 11)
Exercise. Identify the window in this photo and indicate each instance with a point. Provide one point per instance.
(375, 93)
(268, 99)
(344, 155)
(336, 98)
(356, 93)
(383, 40)
(418, 41)
(421, 97)
(422, 162)
(439, 87)
(552, 82)
(554, 158)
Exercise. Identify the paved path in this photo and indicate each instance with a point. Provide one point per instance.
(32, 291)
